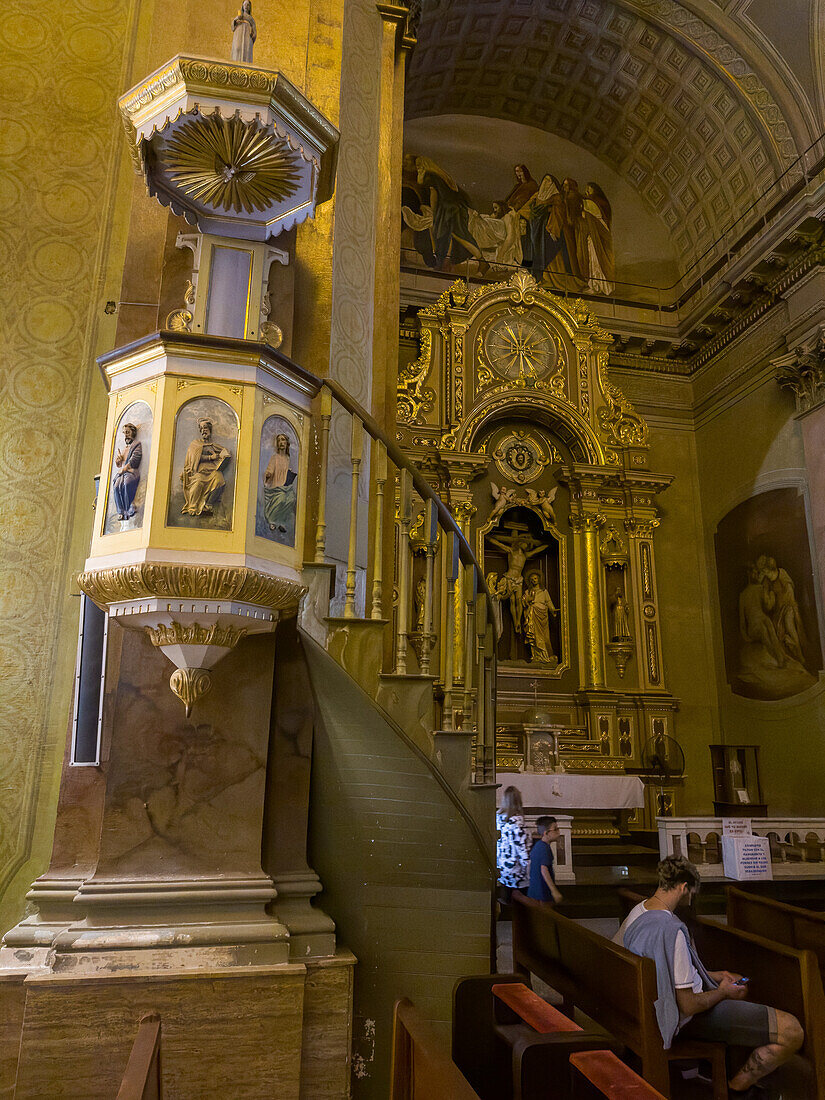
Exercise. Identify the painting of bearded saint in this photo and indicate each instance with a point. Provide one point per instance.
(278, 482)
(772, 646)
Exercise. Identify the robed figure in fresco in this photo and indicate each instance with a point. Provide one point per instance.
(127, 478)
(202, 480)
(280, 489)
(553, 264)
(597, 216)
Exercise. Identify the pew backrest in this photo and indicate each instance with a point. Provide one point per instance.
(780, 976)
(607, 982)
(776, 920)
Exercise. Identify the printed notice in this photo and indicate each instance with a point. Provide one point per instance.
(746, 857)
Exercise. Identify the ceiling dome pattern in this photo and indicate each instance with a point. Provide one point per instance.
(646, 86)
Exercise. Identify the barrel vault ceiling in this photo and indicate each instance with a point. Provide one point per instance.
(697, 121)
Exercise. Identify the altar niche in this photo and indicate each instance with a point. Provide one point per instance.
(524, 566)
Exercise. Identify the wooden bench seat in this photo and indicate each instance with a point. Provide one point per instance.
(611, 985)
(602, 1068)
(612, 1077)
(502, 1056)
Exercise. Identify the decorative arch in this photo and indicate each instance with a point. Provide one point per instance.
(560, 418)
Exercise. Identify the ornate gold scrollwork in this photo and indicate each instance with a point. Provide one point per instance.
(194, 634)
(161, 579)
(189, 684)
(412, 397)
(619, 421)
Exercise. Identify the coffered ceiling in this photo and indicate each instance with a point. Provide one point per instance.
(648, 86)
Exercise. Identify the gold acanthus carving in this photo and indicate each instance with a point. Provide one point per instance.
(195, 634)
(189, 684)
(412, 397)
(199, 582)
(590, 521)
(593, 763)
(621, 424)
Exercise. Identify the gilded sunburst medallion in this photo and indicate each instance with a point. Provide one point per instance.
(230, 164)
(520, 348)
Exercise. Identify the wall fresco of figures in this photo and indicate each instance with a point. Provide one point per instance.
(483, 197)
(202, 489)
(129, 470)
(767, 597)
(561, 231)
(278, 482)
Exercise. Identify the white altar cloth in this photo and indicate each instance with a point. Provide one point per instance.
(574, 792)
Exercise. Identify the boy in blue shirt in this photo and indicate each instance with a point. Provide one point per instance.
(542, 879)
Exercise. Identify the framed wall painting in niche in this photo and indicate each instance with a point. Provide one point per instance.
(202, 489)
(277, 505)
(129, 470)
(767, 596)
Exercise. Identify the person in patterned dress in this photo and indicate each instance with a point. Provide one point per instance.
(512, 855)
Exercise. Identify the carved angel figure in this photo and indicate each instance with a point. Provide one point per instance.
(543, 500)
(505, 497)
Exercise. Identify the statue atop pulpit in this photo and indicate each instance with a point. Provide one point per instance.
(244, 33)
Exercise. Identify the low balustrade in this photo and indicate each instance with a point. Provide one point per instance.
(797, 844)
(419, 573)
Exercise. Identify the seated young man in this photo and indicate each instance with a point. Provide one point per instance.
(542, 877)
(698, 1003)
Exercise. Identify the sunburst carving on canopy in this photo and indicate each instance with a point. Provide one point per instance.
(230, 163)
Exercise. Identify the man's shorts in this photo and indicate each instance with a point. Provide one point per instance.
(738, 1023)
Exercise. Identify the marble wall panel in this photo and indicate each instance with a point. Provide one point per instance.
(222, 1034)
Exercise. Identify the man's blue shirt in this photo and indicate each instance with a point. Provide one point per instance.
(541, 855)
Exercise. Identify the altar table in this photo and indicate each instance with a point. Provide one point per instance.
(574, 792)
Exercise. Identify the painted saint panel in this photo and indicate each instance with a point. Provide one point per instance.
(767, 597)
(202, 490)
(278, 482)
(129, 470)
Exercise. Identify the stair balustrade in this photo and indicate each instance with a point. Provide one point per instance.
(435, 604)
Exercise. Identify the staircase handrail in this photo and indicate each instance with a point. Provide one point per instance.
(422, 486)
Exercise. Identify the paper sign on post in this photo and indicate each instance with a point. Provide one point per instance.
(736, 826)
(746, 857)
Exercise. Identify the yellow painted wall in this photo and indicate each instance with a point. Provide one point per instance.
(80, 220)
(751, 445)
(65, 173)
(683, 611)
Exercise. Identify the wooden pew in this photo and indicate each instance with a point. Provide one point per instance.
(610, 984)
(601, 1068)
(776, 920)
(780, 976)
(502, 1056)
(421, 1066)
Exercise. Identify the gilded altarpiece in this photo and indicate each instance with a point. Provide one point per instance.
(509, 409)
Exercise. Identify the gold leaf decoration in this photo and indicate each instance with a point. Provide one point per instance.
(229, 163)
